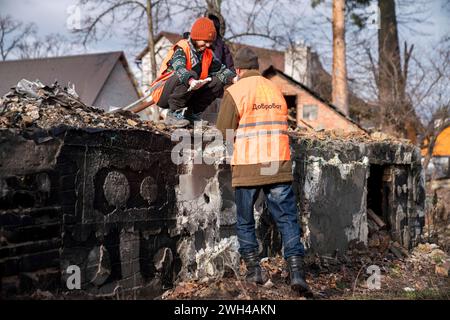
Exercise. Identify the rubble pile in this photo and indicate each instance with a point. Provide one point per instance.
(422, 274)
(341, 135)
(35, 105)
(379, 238)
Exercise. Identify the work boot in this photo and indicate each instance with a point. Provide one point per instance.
(253, 267)
(297, 274)
(176, 119)
(194, 117)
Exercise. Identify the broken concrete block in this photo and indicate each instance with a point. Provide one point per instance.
(213, 261)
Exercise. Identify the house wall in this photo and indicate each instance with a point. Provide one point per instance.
(327, 118)
(118, 90)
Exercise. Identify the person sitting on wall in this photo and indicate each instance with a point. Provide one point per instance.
(190, 76)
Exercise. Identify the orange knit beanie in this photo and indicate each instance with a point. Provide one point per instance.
(203, 29)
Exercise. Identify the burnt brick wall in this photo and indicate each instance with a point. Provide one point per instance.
(88, 198)
(30, 214)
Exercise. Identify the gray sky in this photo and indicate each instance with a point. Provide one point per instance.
(51, 16)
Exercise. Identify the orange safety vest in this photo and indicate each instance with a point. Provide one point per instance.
(157, 86)
(262, 133)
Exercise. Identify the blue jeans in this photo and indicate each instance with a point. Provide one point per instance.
(283, 208)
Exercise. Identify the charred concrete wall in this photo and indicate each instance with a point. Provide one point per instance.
(30, 213)
(206, 219)
(337, 181)
(101, 200)
(114, 204)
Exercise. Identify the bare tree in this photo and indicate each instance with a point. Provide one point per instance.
(214, 5)
(52, 45)
(379, 66)
(339, 78)
(392, 78)
(12, 34)
(151, 38)
(271, 21)
(138, 18)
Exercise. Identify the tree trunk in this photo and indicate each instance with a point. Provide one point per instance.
(151, 41)
(339, 81)
(397, 114)
(389, 68)
(214, 5)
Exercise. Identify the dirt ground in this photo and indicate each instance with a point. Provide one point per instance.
(345, 277)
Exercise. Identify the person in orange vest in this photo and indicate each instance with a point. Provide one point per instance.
(256, 109)
(190, 76)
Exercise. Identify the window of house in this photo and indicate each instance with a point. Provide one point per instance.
(310, 112)
(291, 101)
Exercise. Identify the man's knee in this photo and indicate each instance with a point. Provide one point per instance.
(176, 93)
(216, 83)
(216, 87)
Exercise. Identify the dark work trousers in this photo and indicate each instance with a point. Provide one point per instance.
(283, 208)
(175, 95)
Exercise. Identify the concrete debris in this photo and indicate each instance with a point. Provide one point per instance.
(214, 261)
(269, 284)
(35, 105)
(355, 136)
(438, 255)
